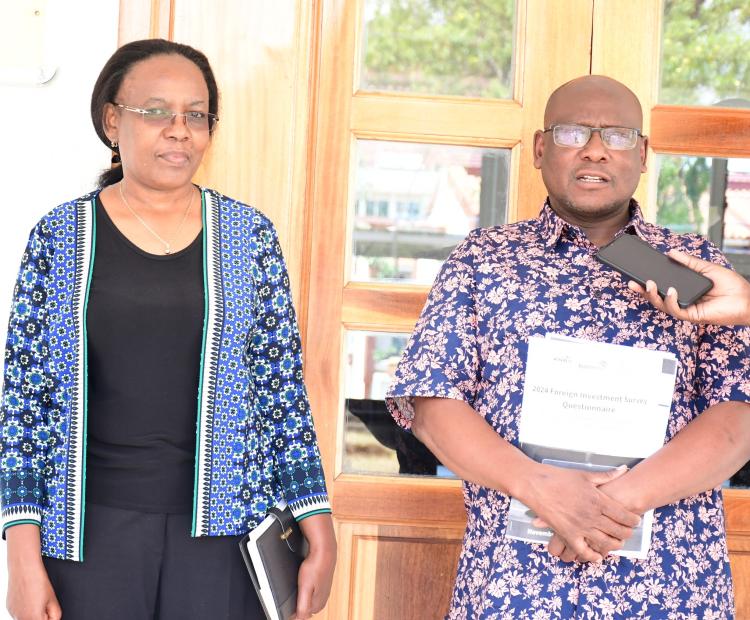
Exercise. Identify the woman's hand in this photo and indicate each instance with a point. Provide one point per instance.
(727, 303)
(30, 593)
(316, 573)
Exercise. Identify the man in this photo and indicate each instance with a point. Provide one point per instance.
(460, 384)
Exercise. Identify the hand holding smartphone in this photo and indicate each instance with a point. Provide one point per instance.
(637, 260)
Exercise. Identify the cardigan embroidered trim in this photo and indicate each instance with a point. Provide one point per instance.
(255, 440)
(207, 386)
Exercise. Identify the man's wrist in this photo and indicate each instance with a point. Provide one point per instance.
(522, 482)
(629, 495)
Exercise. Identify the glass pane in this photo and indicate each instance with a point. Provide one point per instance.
(708, 196)
(373, 442)
(439, 47)
(414, 202)
(711, 197)
(704, 56)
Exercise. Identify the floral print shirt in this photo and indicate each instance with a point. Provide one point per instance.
(501, 286)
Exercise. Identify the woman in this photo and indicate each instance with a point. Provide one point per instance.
(727, 303)
(132, 302)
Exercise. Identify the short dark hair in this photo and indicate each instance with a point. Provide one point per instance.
(120, 63)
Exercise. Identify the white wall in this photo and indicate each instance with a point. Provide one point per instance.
(49, 152)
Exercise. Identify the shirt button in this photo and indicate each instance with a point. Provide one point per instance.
(596, 293)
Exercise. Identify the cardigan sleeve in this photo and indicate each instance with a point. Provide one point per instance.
(24, 423)
(276, 369)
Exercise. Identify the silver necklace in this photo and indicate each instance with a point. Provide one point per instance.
(167, 244)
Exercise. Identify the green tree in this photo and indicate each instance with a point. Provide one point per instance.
(705, 51)
(465, 47)
(449, 47)
(705, 59)
(682, 182)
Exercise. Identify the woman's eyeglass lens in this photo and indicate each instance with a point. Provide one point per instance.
(195, 120)
(578, 136)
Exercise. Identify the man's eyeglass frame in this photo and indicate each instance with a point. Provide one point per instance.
(604, 134)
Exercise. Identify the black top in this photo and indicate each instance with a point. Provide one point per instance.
(145, 330)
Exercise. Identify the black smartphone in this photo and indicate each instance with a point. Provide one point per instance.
(637, 260)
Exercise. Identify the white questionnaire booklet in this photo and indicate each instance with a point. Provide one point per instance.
(593, 406)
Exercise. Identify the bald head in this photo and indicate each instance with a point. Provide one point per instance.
(591, 184)
(594, 94)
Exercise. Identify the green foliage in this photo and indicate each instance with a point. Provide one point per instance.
(387, 347)
(706, 51)
(382, 268)
(705, 58)
(465, 47)
(682, 182)
(447, 47)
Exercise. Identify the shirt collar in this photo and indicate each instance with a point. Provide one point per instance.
(553, 226)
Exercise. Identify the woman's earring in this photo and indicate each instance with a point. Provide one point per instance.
(116, 155)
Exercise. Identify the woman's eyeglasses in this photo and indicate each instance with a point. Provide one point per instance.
(160, 117)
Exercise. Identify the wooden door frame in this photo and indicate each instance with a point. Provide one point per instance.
(545, 57)
(345, 115)
(626, 45)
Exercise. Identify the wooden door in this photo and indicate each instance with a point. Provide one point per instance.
(400, 534)
(678, 58)
(305, 121)
(376, 145)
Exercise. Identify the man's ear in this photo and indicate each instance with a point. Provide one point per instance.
(538, 148)
(644, 154)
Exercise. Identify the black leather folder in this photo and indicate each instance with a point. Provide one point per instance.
(273, 552)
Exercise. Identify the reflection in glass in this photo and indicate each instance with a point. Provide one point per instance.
(373, 442)
(460, 47)
(704, 55)
(414, 202)
(710, 197)
(740, 480)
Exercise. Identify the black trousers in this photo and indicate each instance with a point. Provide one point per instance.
(145, 566)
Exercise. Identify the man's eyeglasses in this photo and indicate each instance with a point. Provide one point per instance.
(578, 136)
(195, 120)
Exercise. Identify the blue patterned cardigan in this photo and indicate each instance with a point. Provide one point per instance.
(255, 438)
